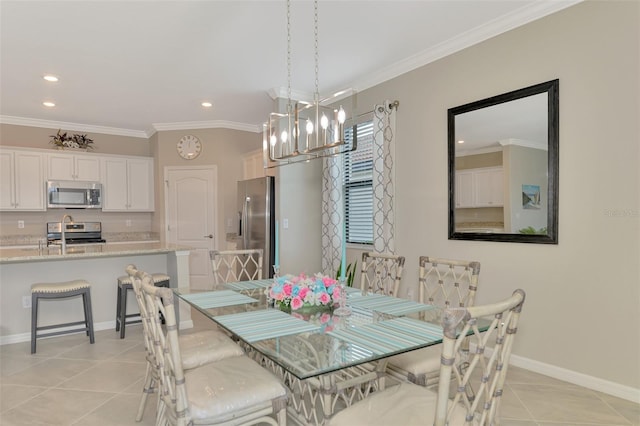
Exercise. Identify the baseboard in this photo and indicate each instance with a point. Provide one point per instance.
(576, 378)
(26, 337)
(98, 326)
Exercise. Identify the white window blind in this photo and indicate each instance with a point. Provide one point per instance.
(358, 189)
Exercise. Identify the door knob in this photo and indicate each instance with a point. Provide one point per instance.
(208, 236)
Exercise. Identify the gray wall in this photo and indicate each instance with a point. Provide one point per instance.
(581, 320)
(220, 147)
(582, 311)
(525, 166)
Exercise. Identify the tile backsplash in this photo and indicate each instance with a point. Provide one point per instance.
(115, 226)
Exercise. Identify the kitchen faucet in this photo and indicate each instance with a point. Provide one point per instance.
(62, 230)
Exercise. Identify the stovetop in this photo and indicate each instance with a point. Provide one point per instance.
(77, 241)
(75, 233)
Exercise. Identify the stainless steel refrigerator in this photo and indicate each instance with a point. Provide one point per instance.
(256, 219)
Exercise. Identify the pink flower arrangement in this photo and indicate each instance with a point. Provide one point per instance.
(304, 290)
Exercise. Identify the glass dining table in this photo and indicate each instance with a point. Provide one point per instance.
(308, 349)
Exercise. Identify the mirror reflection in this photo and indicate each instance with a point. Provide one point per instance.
(503, 167)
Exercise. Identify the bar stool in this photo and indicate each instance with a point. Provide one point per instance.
(125, 284)
(61, 290)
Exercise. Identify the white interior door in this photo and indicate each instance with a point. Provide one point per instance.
(191, 211)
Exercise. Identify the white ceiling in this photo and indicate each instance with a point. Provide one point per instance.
(522, 121)
(134, 67)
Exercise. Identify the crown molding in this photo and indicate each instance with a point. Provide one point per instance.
(77, 127)
(282, 93)
(524, 143)
(479, 34)
(215, 124)
(156, 127)
(469, 38)
(485, 150)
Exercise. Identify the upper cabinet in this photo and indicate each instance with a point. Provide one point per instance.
(489, 187)
(253, 165)
(480, 187)
(73, 167)
(22, 180)
(127, 184)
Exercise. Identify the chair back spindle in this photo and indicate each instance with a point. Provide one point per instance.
(485, 371)
(381, 273)
(236, 265)
(448, 283)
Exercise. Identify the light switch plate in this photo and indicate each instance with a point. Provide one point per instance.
(285, 223)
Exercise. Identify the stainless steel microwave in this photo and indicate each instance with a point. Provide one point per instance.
(74, 195)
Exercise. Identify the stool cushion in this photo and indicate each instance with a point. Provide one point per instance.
(126, 279)
(203, 347)
(61, 287)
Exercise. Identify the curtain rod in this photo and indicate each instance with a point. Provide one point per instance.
(394, 104)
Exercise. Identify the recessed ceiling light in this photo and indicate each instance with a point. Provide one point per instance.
(207, 104)
(49, 104)
(461, 141)
(52, 78)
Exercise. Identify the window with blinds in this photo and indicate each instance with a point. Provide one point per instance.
(358, 188)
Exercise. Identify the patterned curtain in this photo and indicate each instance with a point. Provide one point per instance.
(384, 124)
(332, 214)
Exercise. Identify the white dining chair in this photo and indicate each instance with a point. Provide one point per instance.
(381, 273)
(236, 265)
(409, 404)
(444, 283)
(198, 348)
(231, 391)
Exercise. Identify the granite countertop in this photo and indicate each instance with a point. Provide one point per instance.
(480, 225)
(7, 241)
(54, 253)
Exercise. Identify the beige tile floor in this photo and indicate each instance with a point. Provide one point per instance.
(70, 382)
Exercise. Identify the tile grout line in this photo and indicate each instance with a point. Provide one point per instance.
(44, 389)
(523, 404)
(605, 402)
(96, 408)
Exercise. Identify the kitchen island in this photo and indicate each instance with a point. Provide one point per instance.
(100, 264)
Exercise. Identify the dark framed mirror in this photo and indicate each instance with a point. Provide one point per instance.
(503, 167)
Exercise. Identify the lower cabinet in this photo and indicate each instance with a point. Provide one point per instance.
(127, 185)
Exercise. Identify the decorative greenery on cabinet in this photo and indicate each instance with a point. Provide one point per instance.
(76, 140)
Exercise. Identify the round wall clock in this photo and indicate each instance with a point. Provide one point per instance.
(189, 147)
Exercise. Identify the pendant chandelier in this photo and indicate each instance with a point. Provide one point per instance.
(307, 130)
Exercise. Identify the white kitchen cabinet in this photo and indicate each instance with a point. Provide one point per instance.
(464, 189)
(489, 188)
(62, 166)
(127, 184)
(253, 165)
(480, 187)
(22, 182)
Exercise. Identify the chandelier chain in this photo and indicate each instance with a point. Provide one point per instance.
(317, 59)
(289, 54)
(307, 131)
